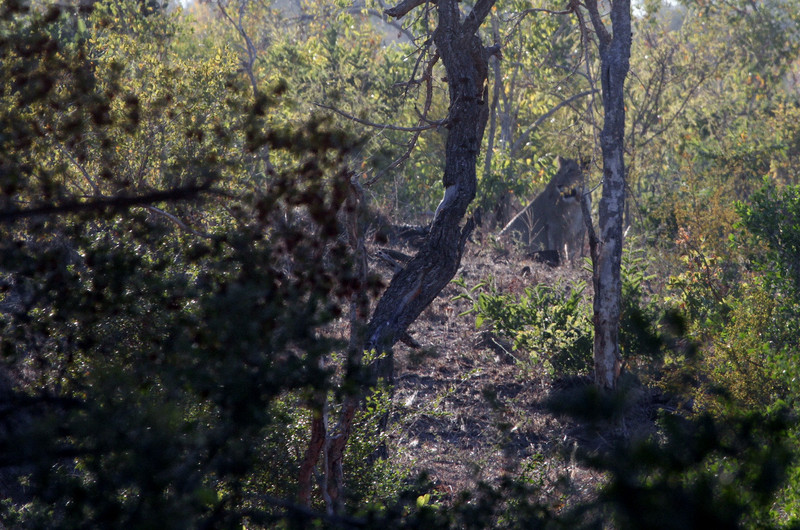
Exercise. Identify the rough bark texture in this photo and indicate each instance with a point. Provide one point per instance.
(315, 444)
(337, 438)
(415, 287)
(615, 51)
(334, 452)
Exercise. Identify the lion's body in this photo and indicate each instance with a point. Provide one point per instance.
(553, 220)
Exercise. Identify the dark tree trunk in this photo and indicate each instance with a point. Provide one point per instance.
(415, 287)
(615, 51)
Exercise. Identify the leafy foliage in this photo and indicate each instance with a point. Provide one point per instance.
(719, 472)
(773, 216)
(170, 260)
(550, 323)
(152, 375)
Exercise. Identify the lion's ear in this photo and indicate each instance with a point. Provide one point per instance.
(560, 161)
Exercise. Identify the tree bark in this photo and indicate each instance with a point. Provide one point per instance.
(331, 443)
(413, 288)
(337, 438)
(615, 51)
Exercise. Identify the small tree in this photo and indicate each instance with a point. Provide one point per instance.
(466, 62)
(606, 247)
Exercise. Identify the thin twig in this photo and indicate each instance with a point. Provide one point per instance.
(403, 8)
(80, 167)
(543, 10)
(181, 224)
(249, 46)
(419, 128)
(524, 136)
(428, 78)
(522, 14)
(421, 51)
(575, 6)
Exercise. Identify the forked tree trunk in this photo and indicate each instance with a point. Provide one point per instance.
(413, 288)
(615, 51)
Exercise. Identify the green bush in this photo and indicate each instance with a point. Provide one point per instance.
(159, 337)
(639, 313)
(551, 324)
(765, 325)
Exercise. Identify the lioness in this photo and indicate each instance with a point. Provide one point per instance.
(553, 221)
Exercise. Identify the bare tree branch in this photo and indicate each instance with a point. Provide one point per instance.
(585, 40)
(524, 136)
(495, 65)
(418, 128)
(421, 52)
(543, 10)
(181, 224)
(404, 7)
(521, 16)
(382, 16)
(98, 193)
(105, 204)
(80, 167)
(249, 63)
(604, 37)
(478, 14)
(249, 46)
(428, 78)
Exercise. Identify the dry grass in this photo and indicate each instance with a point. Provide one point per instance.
(466, 410)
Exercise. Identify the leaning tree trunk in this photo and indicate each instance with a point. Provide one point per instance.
(415, 287)
(615, 52)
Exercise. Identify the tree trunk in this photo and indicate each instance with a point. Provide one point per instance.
(415, 287)
(337, 438)
(615, 54)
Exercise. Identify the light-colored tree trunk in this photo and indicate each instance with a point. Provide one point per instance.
(606, 245)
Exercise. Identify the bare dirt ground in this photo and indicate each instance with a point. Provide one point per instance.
(467, 411)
